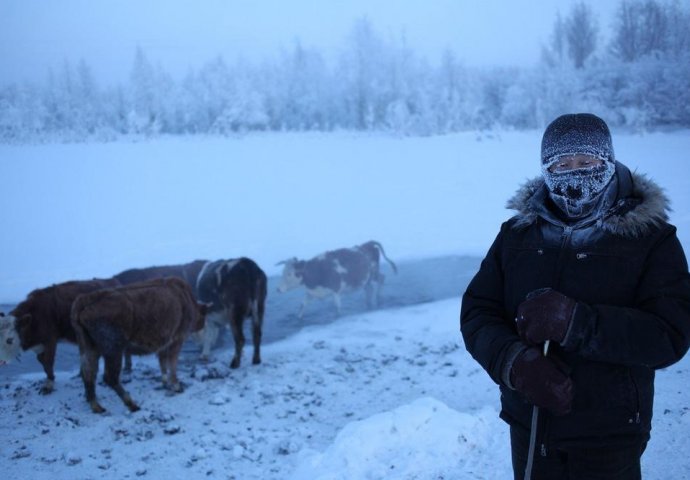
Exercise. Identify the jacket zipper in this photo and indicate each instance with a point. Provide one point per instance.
(544, 435)
(565, 239)
(636, 417)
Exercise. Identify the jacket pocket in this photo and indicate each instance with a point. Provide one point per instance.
(603, 276)
(529, 267)
(603, 386)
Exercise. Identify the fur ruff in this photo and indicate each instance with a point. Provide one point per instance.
(651, 212)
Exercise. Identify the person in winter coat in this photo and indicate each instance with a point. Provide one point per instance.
(590, 271)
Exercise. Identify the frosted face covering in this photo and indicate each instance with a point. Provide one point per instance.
(577, 191)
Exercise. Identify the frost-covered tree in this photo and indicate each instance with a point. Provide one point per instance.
(624, 44)
(555, 53)
(581, 31)
(150, 90)
(640, 29)
(245, 106)
(207, 95)
(494, 83)
(22, 114)
(452, 84)
(651, 43)
(86, 101)
(360, 75)
(678, 28)
(298, 92)
(379, 83)
(403, 104)
(648, 27)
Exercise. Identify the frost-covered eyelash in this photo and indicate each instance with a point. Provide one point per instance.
(585, 167)
(555, 160)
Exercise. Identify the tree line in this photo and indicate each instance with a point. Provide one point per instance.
(639, 77)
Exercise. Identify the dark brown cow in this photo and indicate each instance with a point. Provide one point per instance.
(41, 320)
(337, 271)
(189, 272)
(146, 317)
(234, 289)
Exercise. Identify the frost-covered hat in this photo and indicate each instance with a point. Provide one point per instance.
(577, 192)
(575, 133)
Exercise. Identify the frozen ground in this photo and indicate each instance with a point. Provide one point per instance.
(388, 394)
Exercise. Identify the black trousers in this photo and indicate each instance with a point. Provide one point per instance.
(576, 463)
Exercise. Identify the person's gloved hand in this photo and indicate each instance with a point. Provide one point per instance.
(545, 315)
(541, 382)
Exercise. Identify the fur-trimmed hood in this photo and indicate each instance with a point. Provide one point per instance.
(641, 205)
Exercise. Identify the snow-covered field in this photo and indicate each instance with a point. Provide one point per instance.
(389, 394)
(386, 394)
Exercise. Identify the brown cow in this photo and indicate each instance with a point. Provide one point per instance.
(41, 320)
(189, 272)
(146, 317)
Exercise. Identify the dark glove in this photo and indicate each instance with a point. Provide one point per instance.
(544, 316)
(541, 382)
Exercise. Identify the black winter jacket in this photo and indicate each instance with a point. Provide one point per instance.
(628, 273)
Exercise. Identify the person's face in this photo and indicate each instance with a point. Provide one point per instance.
(573, 162)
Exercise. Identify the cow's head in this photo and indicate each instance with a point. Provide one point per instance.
(292, 275)
(10, 344)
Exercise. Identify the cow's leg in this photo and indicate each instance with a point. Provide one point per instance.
(128, 362)
(171, 354)
(113, 366)
(235, 317)
(209, 335)
(89, 370)
(306, 301)
(47, 360)
(257, 324)
(338, 303)
(373, 289)
(163, 364)
(379, 286)
(369, 290)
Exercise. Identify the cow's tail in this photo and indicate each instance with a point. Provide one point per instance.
(383, 253)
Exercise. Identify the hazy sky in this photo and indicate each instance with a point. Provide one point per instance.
(36, 35)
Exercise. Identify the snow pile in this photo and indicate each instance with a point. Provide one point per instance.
(424, 439)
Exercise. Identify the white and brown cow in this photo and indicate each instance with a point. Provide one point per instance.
(43, 319)
(234, 290)
(335, 272)
(154, 316)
